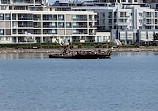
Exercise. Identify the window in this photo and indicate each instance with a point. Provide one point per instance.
(1, 16)
(110, 14)
(122, 14)
(140, 14)
(61, 24)
(7, 16)
(53, 24)
(75, 31)
(1, 31)
(60, 17)
(1, 38)
(7, 38)
(123, 0)
(3, 7)
(53, 31)
(68, 25)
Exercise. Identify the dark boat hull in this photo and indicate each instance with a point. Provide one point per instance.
(97, 56)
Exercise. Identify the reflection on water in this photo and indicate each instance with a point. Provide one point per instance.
(134, 54)
(24, 55)
(45, 55)
(126, 82)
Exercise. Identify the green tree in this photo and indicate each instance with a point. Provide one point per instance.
(156, 36)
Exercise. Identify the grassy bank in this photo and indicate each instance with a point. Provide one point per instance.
(73, 45)
(53, 45)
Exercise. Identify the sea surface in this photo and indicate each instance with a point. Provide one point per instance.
(33, 82)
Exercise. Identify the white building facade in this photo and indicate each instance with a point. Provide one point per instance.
(125, 20)
(33, 21)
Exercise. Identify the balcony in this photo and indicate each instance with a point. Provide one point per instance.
(49, 26)
(79, 32)
(49, 31)
(22, 1)
(26, 33)
(91, 33)
(37, 2)
(122, 23)
(25, 25)
(37, 18)
(123, 17)
(37, 26)
(80, 26)
(37, 33)
(5, 1)
(25, 18)
(49, 18)
(149, 17)
(79, 19)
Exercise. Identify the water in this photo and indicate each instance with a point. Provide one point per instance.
(127, 82)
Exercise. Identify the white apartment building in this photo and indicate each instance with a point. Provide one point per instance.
(126, 20)
(32, 21)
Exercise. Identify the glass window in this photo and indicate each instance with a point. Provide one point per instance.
(7, 16)
(1, 31)
(53, 31)
(1, 38)
(1, 16)
(61, 24)
(3, 7)
(7, 38)
(68, 25)
(60, 17)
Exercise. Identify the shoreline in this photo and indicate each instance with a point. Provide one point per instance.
(12, 50)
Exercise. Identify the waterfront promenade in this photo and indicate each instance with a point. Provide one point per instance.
(56, 50)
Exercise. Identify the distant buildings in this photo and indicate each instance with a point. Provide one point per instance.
(33, 21)
(129, 21)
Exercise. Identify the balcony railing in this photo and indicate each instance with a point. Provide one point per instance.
(37, 2)
(122, 23)
(49, 18)
(49, 33)
(49, 26)
(25, 18)
(37, 26)
(79, 32)
(24, 33)
(5, 2)
(149, 23)
(36, 32)
(23, 2)
(36, 18)
(25, 25)
(80, 19)
(149, 16)
(80, 26)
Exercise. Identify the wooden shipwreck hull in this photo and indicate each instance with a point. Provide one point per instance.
(83, 56)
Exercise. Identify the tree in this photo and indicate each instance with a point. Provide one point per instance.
(156, 36)
(155, 39)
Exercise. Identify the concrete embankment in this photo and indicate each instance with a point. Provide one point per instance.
(10, 50)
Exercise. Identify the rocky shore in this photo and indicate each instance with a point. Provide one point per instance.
(144, 49)
(11, 50)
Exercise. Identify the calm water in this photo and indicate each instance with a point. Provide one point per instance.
(32, 82)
